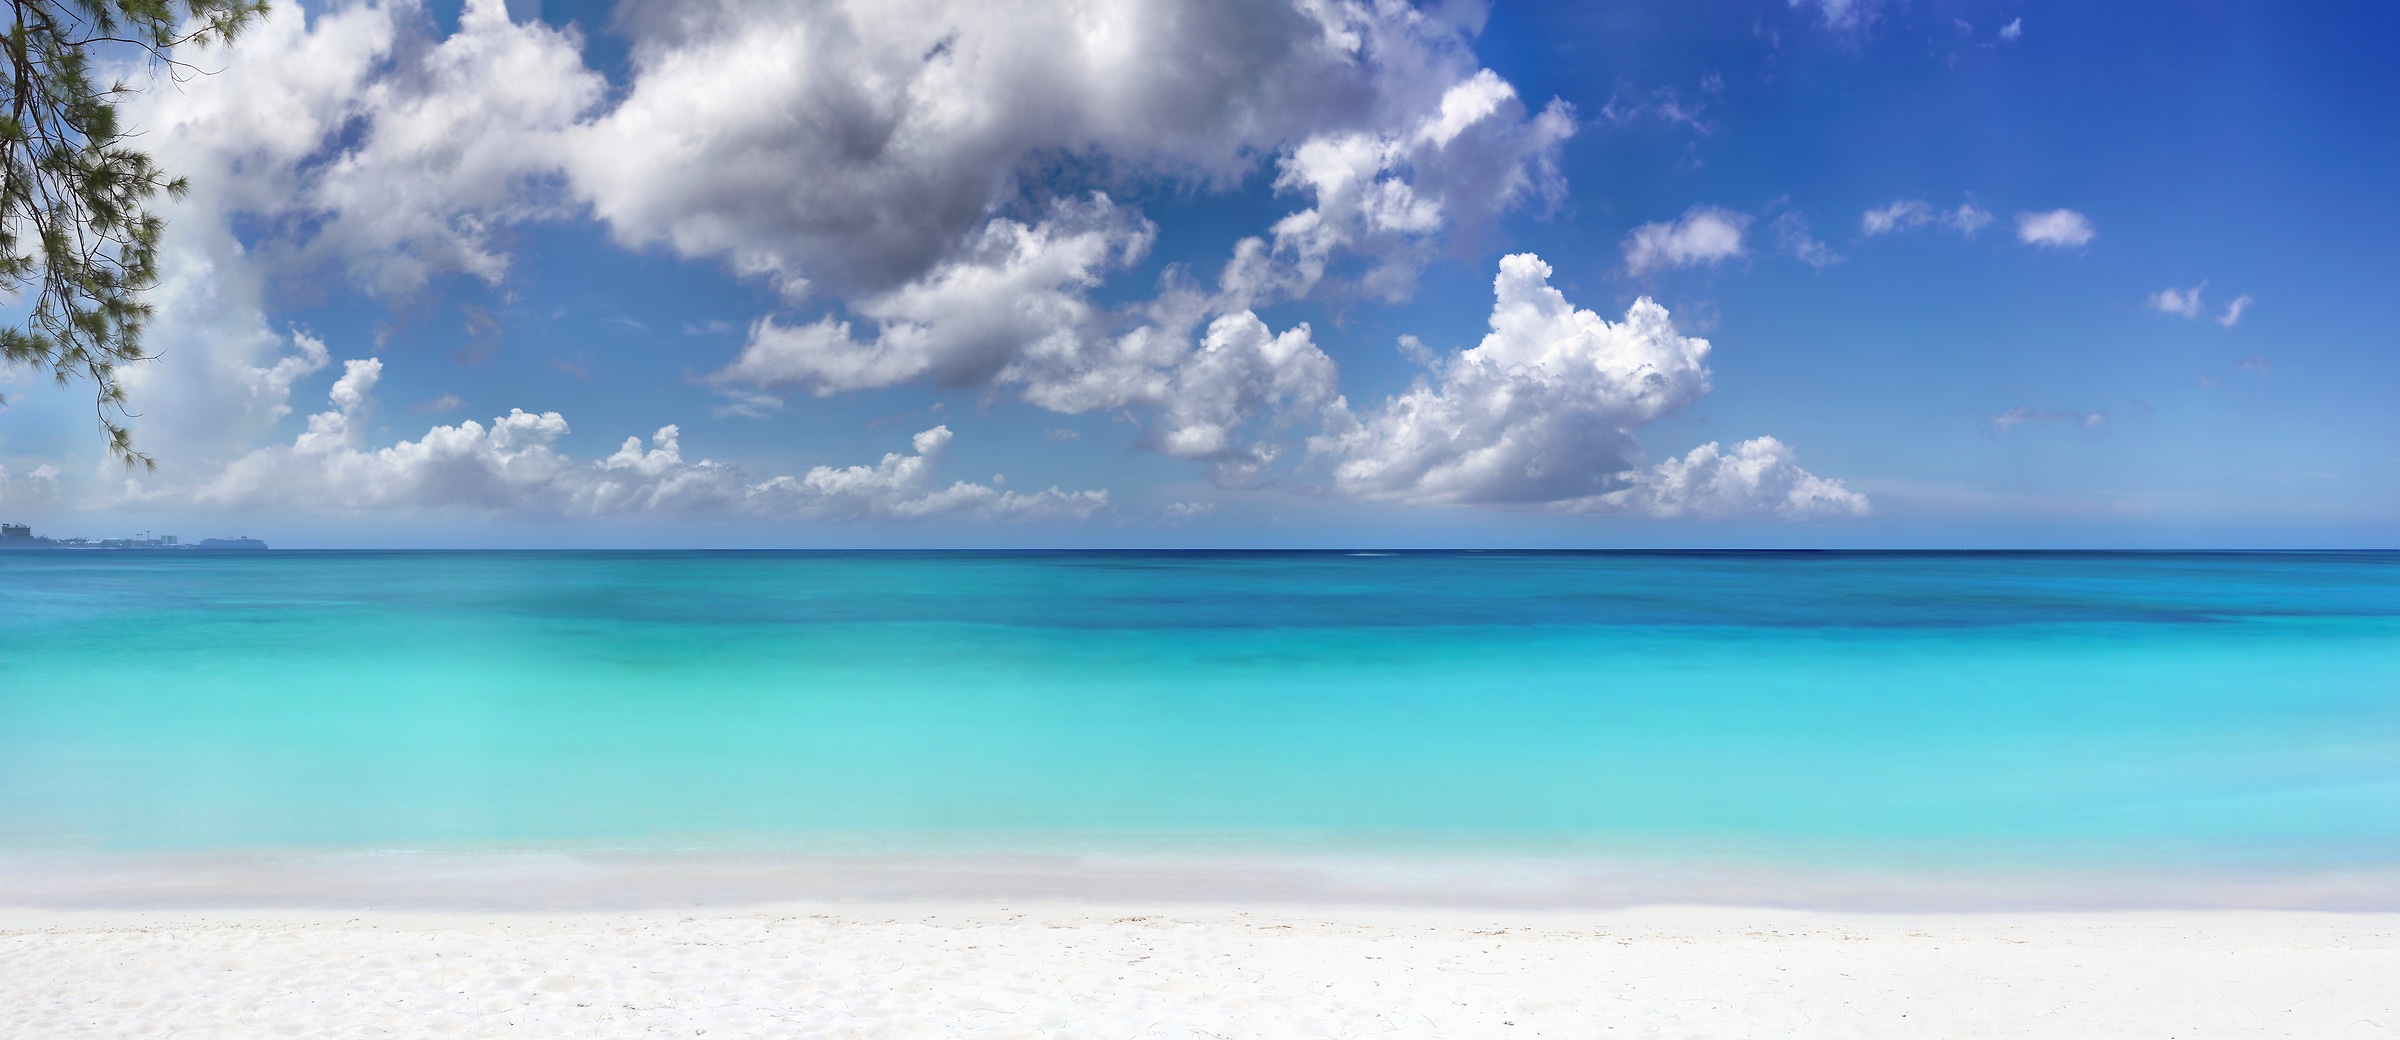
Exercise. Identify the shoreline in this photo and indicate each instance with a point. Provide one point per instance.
(617, 880)
(964, 969)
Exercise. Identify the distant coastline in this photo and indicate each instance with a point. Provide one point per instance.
(20, 538)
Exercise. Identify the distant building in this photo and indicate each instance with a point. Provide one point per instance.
(21, 536)
(231, 543)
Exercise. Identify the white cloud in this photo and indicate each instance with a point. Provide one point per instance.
(749, 404)
(1012, 289)
(2254, 363)
(900, 487)
(2186, 303)
(882, 155)
(1838, 14)
(1013, 312)
(2013, 30)
(1386, 192)
(1757, 478)
(2022, 415)
(36, 488)
(271, 385)
(343, 141)
(220, 381)
(857, 143)
(513, 467)
(2183, 302)
(1218, 394)
(1703, 235)
(458, 146)
(2055, 229)
(1541, 411)
(1667, 106)
(1376, 114)
(878, 150)
(1901, 215)
(1241, 369)
(399, 157)
(1791, 233)
(1911, 214)
(1966, 219)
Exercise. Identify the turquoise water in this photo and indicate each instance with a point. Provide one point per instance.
(2243, 708)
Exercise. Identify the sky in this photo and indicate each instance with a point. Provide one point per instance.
(1261, 273)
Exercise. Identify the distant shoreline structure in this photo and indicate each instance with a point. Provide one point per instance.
(20, 538)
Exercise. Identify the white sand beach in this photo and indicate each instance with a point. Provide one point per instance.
(1073, 970)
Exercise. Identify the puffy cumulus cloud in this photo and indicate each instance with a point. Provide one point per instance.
(1541, 411)
(460, 140)
(1386, 192)
(1757, 478)
(240, 136)
(863, 149)
(366, 144)
(1217, 394)
(2181, 302)
(1911, 214)
(1378, 114)
(856, 144)
(39, 486)
(347, 140)
(513, 466)
(1703, 235)
(1014, 288)
(883, 152)
(1013, 311)
(1241, 369)
(271, 385)
(2055, 229)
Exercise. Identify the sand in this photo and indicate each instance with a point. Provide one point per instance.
(1074, 970)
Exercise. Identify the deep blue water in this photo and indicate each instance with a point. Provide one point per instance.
(2237, 706)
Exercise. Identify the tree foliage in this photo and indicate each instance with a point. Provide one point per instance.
(76, 230)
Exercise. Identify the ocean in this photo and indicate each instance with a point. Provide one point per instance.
(1862, 728)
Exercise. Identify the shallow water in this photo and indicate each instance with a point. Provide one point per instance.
(2231, 712)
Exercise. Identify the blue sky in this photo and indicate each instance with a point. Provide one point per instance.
(1943, 254)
